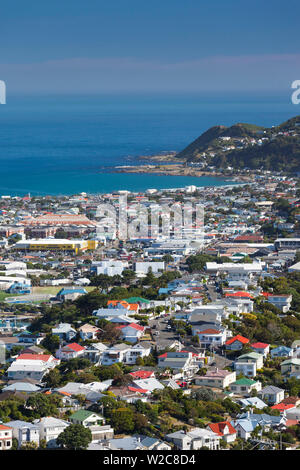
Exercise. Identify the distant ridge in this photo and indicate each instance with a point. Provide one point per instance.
(248, 146)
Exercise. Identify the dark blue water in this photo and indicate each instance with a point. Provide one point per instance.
(60, 144)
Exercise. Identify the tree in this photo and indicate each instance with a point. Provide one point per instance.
(75, 437)
(43, 405)
(53, 378)
(122, 419)
(141, 422)
(29, 446)
(51, 342)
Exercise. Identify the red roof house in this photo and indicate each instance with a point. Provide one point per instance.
(223, 429)
(236, 343)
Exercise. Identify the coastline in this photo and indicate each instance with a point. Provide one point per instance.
(167, 165)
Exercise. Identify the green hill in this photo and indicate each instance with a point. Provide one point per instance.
(248, 146)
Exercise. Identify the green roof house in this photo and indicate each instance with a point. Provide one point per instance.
(245, 386)
(87, 418)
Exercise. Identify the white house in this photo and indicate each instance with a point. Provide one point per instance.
(64, 331)
(218, 378)
(194, 439)
(70, 351)
(50, 428)
(184, 362)
(142, 349)
(24, 432)
(210, 337)
(132, 332)
(88, 332)
(5, 437)
(31, 366)
(115, 354)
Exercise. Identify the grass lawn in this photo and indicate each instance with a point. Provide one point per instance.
(4, 295)
(54, 289)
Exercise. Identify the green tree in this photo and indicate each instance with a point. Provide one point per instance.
(51, 343)
(75, 437)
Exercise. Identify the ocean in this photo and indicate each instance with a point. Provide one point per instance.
(68, 144)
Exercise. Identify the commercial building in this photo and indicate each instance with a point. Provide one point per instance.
(52, 244)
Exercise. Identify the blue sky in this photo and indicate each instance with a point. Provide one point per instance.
(166, 45)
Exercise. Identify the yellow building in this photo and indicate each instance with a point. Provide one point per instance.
(52, 244)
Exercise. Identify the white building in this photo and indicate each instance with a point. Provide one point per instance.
(195, 439)
(142, 267)
(50, 428)
(5, 437)
(24, 432)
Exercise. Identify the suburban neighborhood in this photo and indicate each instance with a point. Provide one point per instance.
(185, 341)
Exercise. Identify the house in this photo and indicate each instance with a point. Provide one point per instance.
(5, 437)
(292, 401)
(64, 331)
(87, 418)
(130, 393)
(33, 350)
(50, 428)
(179, 361)
(142, 374)
(252, 402)
(125, 443)
(290, 367)
(70, 351)
(88, 332)
(132, 332)
(194, 439)
(116, 353)
(246, 423)
(26, 337)
(21, 386)
(33, 366)
(261, 348)
(248, 369)
(245, 386)
(147, 384)
(271, 394)
(283, 407)
(293, 414)
(252, 357)
(123, 304)
(224, 429)
(217, 378)
(281, 351)
(103, 432)
(152, 443)
(244, 427)
(210, 337)
(142, 349)
(236, 343)
(24, 432)
(92, 391)
(283, 302)
(94, 352)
